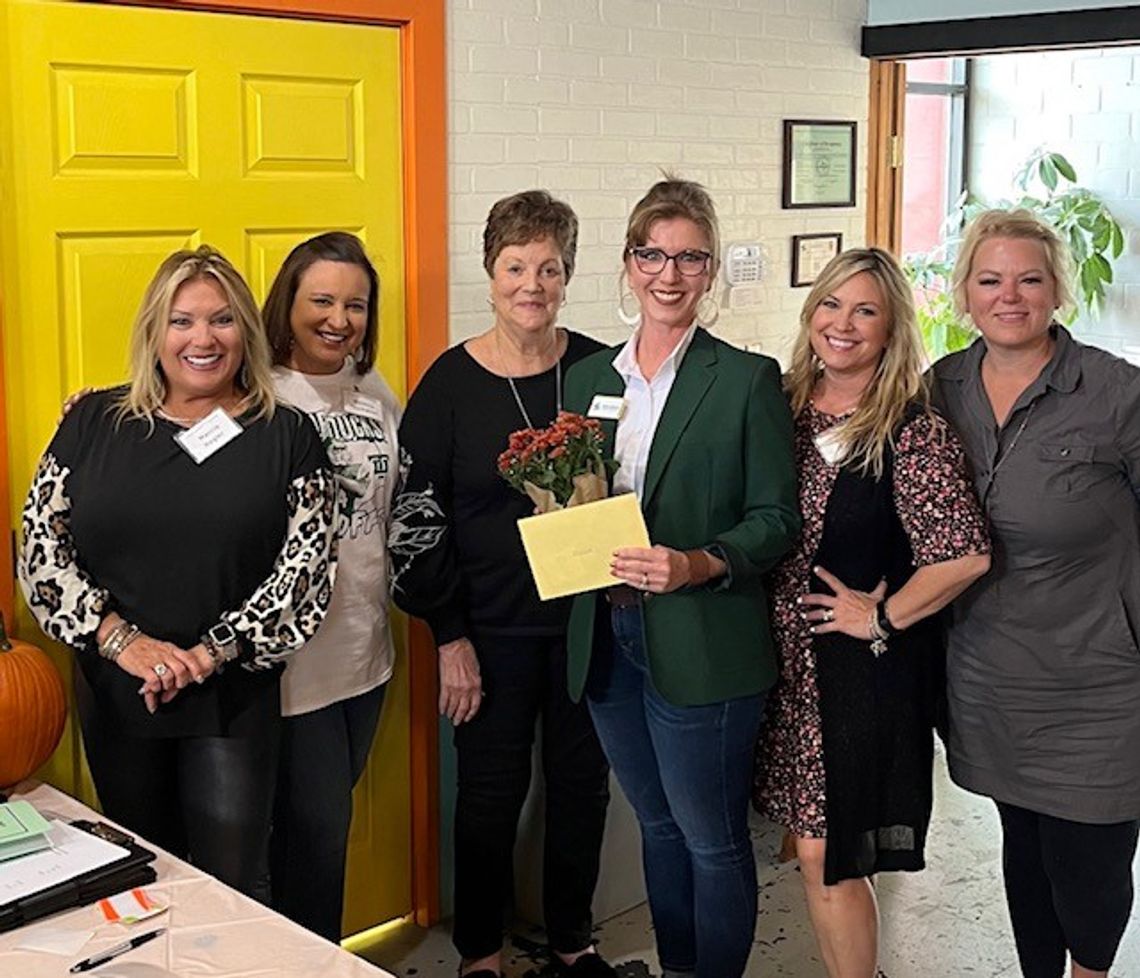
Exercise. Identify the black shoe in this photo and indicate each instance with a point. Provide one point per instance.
(591, 965)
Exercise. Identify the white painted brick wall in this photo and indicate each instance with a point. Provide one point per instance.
(590, 99)
(1085, 104)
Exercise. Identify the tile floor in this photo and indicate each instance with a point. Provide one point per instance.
(946, 922)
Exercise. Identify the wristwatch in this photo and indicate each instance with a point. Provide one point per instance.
(221, 642)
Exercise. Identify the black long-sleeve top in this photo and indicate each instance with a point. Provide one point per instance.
(458, 559)
(120, 518)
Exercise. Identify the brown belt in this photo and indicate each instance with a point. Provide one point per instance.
(624, 596)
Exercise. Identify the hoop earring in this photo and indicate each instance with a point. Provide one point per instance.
(712, 310)
(632, 320)
(243, 375)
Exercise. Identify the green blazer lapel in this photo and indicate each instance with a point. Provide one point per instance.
(694, 378)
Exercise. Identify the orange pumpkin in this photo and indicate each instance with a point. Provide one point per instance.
(33, 708)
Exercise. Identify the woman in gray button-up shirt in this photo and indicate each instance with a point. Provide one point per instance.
(1044, 670)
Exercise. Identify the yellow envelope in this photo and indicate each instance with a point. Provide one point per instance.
(570, 549)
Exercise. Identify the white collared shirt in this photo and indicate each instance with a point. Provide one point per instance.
(644, 402)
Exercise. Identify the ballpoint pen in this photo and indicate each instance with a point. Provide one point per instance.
(113, 952)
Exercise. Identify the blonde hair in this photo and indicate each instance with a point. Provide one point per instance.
(147, 388)
(898, 378)
(1026, 226)
(675, 198)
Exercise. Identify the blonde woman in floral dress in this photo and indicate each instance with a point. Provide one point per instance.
(892, 532)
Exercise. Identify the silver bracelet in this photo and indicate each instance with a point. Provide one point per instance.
(121, 636)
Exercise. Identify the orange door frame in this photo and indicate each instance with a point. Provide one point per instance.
(423, 78)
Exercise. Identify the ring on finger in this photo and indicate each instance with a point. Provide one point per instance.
(160, 670)
(829, 614)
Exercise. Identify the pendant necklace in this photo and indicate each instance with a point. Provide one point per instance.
(515, 390)
(1003, 455)
(1013, 441)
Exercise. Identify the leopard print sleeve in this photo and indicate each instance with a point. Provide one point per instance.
(67, 604)
(288, 607)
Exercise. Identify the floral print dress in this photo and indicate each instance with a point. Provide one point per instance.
(940, 514)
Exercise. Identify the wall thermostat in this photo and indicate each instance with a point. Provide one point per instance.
(744, 263)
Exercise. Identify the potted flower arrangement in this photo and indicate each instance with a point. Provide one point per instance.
(560, 465)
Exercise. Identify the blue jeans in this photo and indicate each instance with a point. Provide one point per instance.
(687, 772)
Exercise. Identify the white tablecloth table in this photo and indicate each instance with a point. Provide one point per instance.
(212, 930)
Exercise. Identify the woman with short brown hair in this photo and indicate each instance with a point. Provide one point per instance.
(459, 564)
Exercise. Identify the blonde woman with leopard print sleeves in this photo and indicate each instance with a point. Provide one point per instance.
(177, 525)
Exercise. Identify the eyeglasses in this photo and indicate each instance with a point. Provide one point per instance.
(651, 261)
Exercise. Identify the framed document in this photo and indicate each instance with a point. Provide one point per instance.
(819, 163)
(810, 252)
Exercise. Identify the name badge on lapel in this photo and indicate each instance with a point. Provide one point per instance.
(606, 407)
(216, 430)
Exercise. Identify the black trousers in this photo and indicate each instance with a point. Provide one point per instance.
(205, 799)
(323, 754)
(1069, 889)
(524, 679)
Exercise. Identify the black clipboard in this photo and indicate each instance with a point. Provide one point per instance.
(133, 869)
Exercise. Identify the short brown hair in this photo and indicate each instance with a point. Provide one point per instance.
(1017, 223)
(530, 216)
(673, 198)
(338, 246)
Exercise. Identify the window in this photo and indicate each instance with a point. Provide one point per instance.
(935, 148)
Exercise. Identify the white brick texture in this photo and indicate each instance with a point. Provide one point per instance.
(1085, 104)
(591, 99)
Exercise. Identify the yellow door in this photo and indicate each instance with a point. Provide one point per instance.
(127, 133)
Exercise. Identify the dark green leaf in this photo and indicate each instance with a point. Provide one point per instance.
(1064, 166)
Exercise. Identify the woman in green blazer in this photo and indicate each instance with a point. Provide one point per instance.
(675, 661)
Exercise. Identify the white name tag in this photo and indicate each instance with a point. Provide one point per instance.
(829, 445)
(364, 406)
(606, 407)
(216, 430)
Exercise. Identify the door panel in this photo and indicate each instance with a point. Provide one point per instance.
(133, 132)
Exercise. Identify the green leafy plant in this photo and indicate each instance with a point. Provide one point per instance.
(1047, 184)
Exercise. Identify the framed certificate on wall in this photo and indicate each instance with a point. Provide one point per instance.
(810, 253)
(819, 163)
